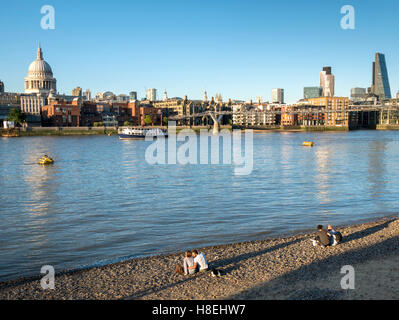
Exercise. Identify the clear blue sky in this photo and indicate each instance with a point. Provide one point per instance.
(241, 49)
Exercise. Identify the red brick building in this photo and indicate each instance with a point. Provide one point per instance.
(154, 113)
(85, 114)
(61, 114)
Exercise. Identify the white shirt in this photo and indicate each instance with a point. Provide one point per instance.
(201, 261)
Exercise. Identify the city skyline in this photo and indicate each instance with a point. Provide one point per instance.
(231, 72)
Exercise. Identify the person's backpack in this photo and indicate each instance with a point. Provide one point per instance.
(179, 269)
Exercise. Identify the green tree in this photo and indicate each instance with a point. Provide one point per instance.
(16, 115)
(127, 124)
(147, 119)
(98, 124)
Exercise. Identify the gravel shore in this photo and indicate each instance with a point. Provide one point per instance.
(282, 268)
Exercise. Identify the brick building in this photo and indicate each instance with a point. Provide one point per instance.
(61, 114)
(89, 114)
(336, 107)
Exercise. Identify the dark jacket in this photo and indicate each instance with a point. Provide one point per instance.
(323, 237)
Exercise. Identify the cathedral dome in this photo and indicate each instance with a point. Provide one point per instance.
(40, 76)
(39, 65)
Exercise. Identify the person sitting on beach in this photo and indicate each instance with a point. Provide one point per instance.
(335, 236)
(200, 263)
(188, 262)
(321, 237)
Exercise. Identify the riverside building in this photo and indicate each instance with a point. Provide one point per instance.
(181, 107)
(61, 114)
(245, 115)
(336, 107)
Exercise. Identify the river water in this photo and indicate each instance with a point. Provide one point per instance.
(101, 201)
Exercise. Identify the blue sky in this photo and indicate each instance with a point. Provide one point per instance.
(241, 49)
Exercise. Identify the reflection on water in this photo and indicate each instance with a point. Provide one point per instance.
(376, 168)
(101, 201)
(323, 162)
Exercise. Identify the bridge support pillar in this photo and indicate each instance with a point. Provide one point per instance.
(215, 122)
(215, 128)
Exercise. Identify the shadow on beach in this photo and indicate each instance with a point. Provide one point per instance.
(321, 280)
(215, 264)
(366, 232)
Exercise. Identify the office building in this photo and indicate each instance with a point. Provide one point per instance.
(327, 82)
(312, 92)
(358, 94)
(87, 95)
(133, 95)
(151, 94)
(10, 98)
(278, 96)
(380, 85)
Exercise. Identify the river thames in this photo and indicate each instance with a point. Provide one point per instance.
(102, 202)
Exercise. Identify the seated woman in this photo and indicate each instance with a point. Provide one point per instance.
(188, 263)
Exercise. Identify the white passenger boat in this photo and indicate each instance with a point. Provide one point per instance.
(141, 132)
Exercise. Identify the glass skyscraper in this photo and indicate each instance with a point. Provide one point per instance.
(380, 86)
(312, 92)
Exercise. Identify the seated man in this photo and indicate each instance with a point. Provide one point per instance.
(200, 263)
(321, 237)
(335, 236)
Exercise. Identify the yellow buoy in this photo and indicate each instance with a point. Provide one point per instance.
(308, 143)
(45, 160)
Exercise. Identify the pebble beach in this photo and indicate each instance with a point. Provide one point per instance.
(281, 268)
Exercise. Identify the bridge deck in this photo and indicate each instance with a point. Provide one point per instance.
(301, 111)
